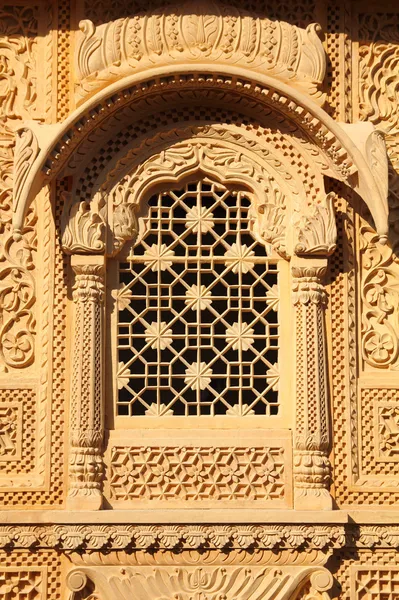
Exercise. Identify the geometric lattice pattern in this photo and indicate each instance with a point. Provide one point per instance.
(27, 575)
(22, 584)
(197, 473)
(377, 584)
(198, 299)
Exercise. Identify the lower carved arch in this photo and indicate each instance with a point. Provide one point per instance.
(290, 213)
(208, 583)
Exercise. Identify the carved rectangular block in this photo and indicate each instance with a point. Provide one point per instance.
(18, 422)
(27, 583)
(371, 583)
(10, 431)
(379, 441)
(193, 472)
(387, 431)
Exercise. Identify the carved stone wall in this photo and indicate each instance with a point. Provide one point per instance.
(108, 103)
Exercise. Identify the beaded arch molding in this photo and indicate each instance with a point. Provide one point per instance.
(355, 153)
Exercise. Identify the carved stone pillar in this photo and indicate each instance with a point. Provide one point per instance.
(311, 440)
(86, 408)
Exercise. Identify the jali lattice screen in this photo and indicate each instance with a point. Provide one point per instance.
(198, 329)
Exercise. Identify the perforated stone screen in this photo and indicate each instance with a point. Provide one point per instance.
(198, 330)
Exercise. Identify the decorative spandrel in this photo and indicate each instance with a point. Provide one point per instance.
(198, 330)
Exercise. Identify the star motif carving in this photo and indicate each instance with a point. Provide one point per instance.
(241, 335)
(158, 335)
(239, 258)
(198, 376)
(198, 298)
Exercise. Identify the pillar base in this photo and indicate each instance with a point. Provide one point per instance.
(85, 500)
(313, 499)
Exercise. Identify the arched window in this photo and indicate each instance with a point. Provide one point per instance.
(196, 322)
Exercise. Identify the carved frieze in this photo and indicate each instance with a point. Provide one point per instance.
(174, 537)
(208, 32)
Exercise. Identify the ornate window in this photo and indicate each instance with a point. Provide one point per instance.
(198, 330)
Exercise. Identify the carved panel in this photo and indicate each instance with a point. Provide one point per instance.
(10, 431)
(387, 425)
(31, 576)
(23, 95)
(37, 477)
(23, 584)
(200, 474)
(378, 103)
(378, 441)
(361, 477)
(375, 583)
(18, 421)
(158, 473)
(25, 52)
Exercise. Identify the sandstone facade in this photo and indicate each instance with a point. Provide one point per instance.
(199, 334)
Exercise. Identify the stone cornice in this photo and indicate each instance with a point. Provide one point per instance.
(114, 537)
(172, 537)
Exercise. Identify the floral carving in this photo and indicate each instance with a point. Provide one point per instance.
(315, 230)
(379, 101)
(18, 55)
(83, 227)
(379, 80)
(198, 298)
(199, 220)
(158, 257)
(17, 296)
(10, 431)
(380, 297)
(388, 431)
